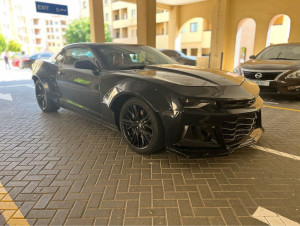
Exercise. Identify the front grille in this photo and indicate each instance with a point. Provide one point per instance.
(264, 75)
(237, 128)
(233, 104)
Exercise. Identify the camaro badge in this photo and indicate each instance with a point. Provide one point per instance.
(258, 75)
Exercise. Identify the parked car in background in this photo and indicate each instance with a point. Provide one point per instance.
(179, 57)
(15, 60)
(27, 61)
(152, 100)
(276, 69)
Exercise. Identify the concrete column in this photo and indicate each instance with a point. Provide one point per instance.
(261, 34)
(97, 21)
(165, 28)
(146, 22)
(294, 31)
(199, 52)
(188, 52)
(173, 26)
(121, 33)
(219, 17)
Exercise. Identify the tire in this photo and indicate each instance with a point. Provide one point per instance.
(45, 103)
(141, 127)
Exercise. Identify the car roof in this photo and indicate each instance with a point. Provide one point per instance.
(167, 50)
(287, 44)
(90, 44)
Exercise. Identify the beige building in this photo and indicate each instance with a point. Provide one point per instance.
(124, 24)
(121, 16)
(226, 30)
(227, 18)
(37, 32)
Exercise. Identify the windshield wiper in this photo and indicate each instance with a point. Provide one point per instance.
(281, 58)
(133, 67)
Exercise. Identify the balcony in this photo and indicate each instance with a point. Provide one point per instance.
(125, 40)
(117, 5)
(124, 23)
(162, 17)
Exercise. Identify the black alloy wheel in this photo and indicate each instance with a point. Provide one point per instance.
(45, 103)
(141, 127)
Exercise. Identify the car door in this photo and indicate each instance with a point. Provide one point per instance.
(79, 87)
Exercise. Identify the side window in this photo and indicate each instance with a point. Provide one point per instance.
(171, 53)
(75, 54)
(134, 57)
(69, 60)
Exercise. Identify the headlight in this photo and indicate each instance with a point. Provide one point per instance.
(237, 70)
(295, 74)
(188, 102)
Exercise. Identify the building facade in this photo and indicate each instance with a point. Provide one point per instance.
(36, 32)
(121, 16)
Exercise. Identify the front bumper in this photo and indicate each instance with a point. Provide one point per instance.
(279, 86)
(217, 134)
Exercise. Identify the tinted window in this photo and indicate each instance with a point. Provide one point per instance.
(288, 52)
(127, 56)
(75, 54)
(170, 53)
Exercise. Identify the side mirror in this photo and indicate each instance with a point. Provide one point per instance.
(86, 64)
(252, 57)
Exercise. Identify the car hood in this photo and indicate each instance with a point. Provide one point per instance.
(271, 64)
(191, 76)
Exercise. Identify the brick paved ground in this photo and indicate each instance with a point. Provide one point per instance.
(63, 168)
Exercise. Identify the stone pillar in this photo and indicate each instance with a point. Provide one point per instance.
(219, 17)
(165, 28)
(294, 31)
(188, 52)
(97, 21)
(261, 34)
(146, 22)
(173, 26)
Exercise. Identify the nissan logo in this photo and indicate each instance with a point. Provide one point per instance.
(258, 75)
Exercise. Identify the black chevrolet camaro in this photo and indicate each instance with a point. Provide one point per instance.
(152, 100)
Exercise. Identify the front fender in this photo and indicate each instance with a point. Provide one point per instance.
(156, 97)
(162, 101)
(45, 72)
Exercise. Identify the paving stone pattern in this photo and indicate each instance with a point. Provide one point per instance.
(63, 168)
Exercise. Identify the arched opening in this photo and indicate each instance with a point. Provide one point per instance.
(194, 40)
(279, 30)
(244, 41)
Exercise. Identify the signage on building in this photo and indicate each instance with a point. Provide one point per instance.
(43, 7)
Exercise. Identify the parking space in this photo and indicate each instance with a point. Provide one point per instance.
(63, 168)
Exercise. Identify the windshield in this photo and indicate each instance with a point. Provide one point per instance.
(284, 52)
(181, 53)
(122, 57)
